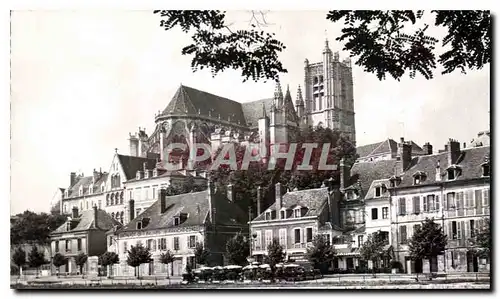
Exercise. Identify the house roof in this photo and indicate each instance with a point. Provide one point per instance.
(312, 199)
(195, 205)
(483, 139)
(190, 101)
(131, 165)
(367, 172)
(469, 161)
(86, 181)
(86, 221)
(253, 111)
(385, 147)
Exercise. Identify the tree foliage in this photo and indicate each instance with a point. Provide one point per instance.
(81, 259)
(33, 228)
(201, 254)
(275, 253)
(138, 255)
(19, 258)
(108, 258)
(482, 238)
(59, 260)
(321, 253)
(428, 241)
(373, 248)
(237, 250)
(393, 42)
(36, 258)
(167, 257)
(217, 47)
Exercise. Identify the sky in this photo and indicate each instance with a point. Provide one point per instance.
(82, 80)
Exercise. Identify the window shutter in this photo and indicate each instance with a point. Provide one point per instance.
(450, 230)
(486, 197)
(426, 207)
(479, 202)
(437, 203)
(445, 203)
(467, 230)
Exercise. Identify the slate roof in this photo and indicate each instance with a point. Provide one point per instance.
(367, 172)
(312, 199)
(483, 139)
(196, 206)
(131, 165)
(253, 111)
(86, 182)
(469, 161)
(192, 101)
(385, 147)
(86, 222)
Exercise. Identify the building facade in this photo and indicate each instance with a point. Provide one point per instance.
(177, 223)
(83, 232)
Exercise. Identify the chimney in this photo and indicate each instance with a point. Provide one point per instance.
(95, 176)
(427, 148)
(259, 200)
(345, 174)
(211, 197)
(72, 179)
(131, 209)
(95, 217)
(438, 171)
(277, 195)
(230, 194)
(163, 201)
(404, 149)
(75, 212)
(453, 151)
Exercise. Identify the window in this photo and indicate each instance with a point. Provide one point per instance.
(149, 244)
(416, 180)
(282, 236)
(430, 203)
(297, 213)
(456, 230)
(113, 215)
(177, 221)
(309, 234)
(192, 241)
(258, 239)
(385, 213)
(269, 237)
(360, 240)
(176, 243)
(57, 246)
(486, 197)
(377, 192)
(374, 214)
(268, 215)
(68, 245)
(163, 244)
(282, 214)
(402, 234)
(402, 206)
(486, 170)
(472, 228)
(297, 236)
(139, 225)
(125, 247)
(68, 226)
(451, 174)
(79, 244)
(138, 176)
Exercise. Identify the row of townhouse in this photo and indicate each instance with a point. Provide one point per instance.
(392, 195)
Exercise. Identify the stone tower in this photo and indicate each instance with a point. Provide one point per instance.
(328, 92)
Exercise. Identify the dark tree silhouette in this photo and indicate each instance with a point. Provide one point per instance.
(108, 259)
(237, 250)
(19, 258)
(138, 255)
(321, 254)
(167, 258)
(33, 228)
(201, 254)
(36, 259)
(428, 241)
(382, 42)
(275, 255)
(59, 260)
(80, 261)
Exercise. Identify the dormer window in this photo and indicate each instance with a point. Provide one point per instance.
(297, 212)
(80, 191)
(419, 177)
(146, 173)
(68, 226)
(138, 176)
(90, 189)
(283, 214)
(453, 172)
(177, 221)
(66, 194)
(268, 216)
(394, 181)
(139, 224)
(378, 191)
(155, 172)
(486, 170)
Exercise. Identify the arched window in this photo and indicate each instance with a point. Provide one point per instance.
(121, 217)
(113, 215)
(112, 199)
(117, 177)
(315, 80)
(107, 200)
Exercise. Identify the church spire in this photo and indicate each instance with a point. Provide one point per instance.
(278, 95)
(300, 101)
(263, 113)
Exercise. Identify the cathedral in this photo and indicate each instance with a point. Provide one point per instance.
(195, 116)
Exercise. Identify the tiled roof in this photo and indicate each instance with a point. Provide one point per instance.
(470, 161)
(312, 199)
(195, 205)
(385, 147)
(367, 172)
(253, 111)
(73, 191)
(86, 221)
(131, 165)
(365, 150)
(188, 100)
